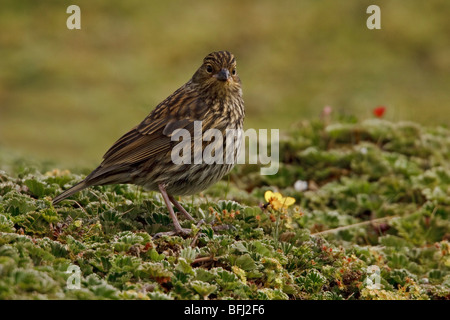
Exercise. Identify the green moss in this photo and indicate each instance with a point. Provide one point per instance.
(374, 200)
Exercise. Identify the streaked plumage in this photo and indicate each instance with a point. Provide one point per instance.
(142, 156)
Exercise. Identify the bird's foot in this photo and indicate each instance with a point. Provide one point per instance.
(184, 232)
(179, 232)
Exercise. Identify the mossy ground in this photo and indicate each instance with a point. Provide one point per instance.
(372, 224)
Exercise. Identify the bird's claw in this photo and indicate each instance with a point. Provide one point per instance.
(186, 232)
(180, 232)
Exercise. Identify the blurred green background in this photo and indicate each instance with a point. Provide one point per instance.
(67, 95)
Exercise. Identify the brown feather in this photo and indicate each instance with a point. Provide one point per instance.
(142, 155)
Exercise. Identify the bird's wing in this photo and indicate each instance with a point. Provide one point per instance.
(152, 137)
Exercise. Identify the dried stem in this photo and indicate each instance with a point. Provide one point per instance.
(359, 224)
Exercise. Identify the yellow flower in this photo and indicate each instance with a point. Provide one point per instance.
(277, 201)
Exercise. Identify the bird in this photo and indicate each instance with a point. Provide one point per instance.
(144, 155)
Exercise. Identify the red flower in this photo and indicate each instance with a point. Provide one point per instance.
(379, 111)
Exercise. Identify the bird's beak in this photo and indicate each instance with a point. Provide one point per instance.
(223, 75)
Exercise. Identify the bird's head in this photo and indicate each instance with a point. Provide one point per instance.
(218, 72)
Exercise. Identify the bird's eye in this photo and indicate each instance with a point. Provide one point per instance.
(233, 72)
(209, 68)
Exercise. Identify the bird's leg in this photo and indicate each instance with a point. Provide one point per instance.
(172, 215)
(179, 207)
(215, 228)
(178, 230)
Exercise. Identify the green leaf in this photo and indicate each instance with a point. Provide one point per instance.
(6, 225)
(189, 254)
(37, 188)
(184, 266)
(245, 262)
(203, 288)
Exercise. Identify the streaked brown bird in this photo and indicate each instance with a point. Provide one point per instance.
(143, 157)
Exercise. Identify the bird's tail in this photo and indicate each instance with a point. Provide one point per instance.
(78, 187)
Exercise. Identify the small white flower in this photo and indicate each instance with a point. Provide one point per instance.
(363, 150)
(300, 185)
